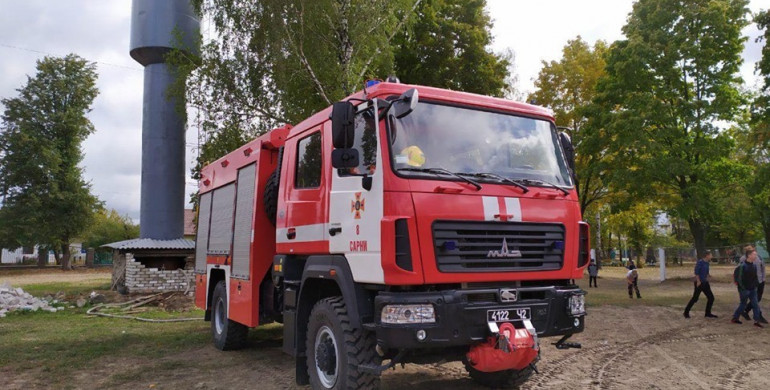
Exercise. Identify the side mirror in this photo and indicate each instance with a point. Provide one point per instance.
(569, 150)
(406, 103)
(343, 116)
(345, 158)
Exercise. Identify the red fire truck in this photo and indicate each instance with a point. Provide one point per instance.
(403, 224)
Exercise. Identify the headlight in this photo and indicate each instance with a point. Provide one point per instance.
(577, 304)
(408, 314)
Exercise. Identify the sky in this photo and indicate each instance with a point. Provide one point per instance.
(98, 30)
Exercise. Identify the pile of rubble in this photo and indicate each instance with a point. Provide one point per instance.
(12, 299)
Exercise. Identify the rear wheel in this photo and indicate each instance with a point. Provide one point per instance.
(270, 196)
(506, 379)
(227, 334)
(335, 350)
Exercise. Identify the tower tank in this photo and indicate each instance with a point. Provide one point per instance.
(157, 27)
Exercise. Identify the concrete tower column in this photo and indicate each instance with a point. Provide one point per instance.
(157, 27)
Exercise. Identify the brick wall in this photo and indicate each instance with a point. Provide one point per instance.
(140, 279)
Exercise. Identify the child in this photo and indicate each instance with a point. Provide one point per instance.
(593, 272)
(632, 278)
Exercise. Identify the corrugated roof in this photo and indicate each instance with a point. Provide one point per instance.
(150, 243)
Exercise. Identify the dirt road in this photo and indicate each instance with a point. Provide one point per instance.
(637, 347)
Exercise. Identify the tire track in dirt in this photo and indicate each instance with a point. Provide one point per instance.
(684, 368)
(602, 357)
(741, 376)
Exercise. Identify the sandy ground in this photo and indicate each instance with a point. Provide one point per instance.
(628, 346)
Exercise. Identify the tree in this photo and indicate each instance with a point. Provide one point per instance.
(108, 227)
(635, 223)
(448, 47)
(666, 86)
(45, 199)
(568, 87)
(278, 61)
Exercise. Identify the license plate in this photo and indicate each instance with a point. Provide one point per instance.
(506, 315)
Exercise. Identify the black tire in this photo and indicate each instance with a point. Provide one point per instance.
(228, 334)
(270, 196)
(507, 379)
(335, 350)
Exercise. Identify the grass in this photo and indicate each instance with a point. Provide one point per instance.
(70, 289)
(675, 291)
(60, 344)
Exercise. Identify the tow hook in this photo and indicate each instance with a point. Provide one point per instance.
(563, 344)
(504, 342)
(377, 370)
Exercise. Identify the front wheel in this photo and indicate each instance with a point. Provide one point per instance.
(227, 334)
(507, 379)
(335, 350)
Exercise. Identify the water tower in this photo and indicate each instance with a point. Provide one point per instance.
(160, 259)
(157, 27)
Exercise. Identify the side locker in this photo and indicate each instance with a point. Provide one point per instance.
(201, 249)
(244, 214)
(244, 302)
(221, 235)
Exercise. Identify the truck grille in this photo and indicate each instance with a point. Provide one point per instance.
(471, 246)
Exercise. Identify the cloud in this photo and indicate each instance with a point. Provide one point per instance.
(538, 30)
(98, 31)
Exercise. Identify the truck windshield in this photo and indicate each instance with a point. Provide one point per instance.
(479, 143)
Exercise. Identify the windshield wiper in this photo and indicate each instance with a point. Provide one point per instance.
(524, 188)
(446, 172)
(546, 184)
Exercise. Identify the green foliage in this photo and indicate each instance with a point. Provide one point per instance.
(666, 86)
(447, 47)
(636, 224)
(46, 200)
(567, 87)
(273, 62)
(108, 227)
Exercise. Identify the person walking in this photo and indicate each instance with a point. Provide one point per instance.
(759, 264)
(632, 278)
(745, 277)
(702, 285)
(593, 272)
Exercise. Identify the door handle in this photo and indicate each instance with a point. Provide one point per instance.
(291, 233)
(334, 230)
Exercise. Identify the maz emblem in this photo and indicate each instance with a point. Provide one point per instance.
(507, 295)
(504, 251)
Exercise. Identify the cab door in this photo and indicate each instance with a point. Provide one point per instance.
(355, 211)
(302, 230)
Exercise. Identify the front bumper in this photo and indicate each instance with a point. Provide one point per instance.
(461, 315)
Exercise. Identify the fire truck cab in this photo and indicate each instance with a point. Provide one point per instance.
(404, 224)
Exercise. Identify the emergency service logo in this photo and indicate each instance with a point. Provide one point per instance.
(357, 206)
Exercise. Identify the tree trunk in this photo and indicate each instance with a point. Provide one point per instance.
(65, 257)
(699, 235)
(57, 257)
(42, 257)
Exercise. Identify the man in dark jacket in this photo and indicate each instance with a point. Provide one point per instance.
(746, 278)
(702, 285)
(759, 264)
